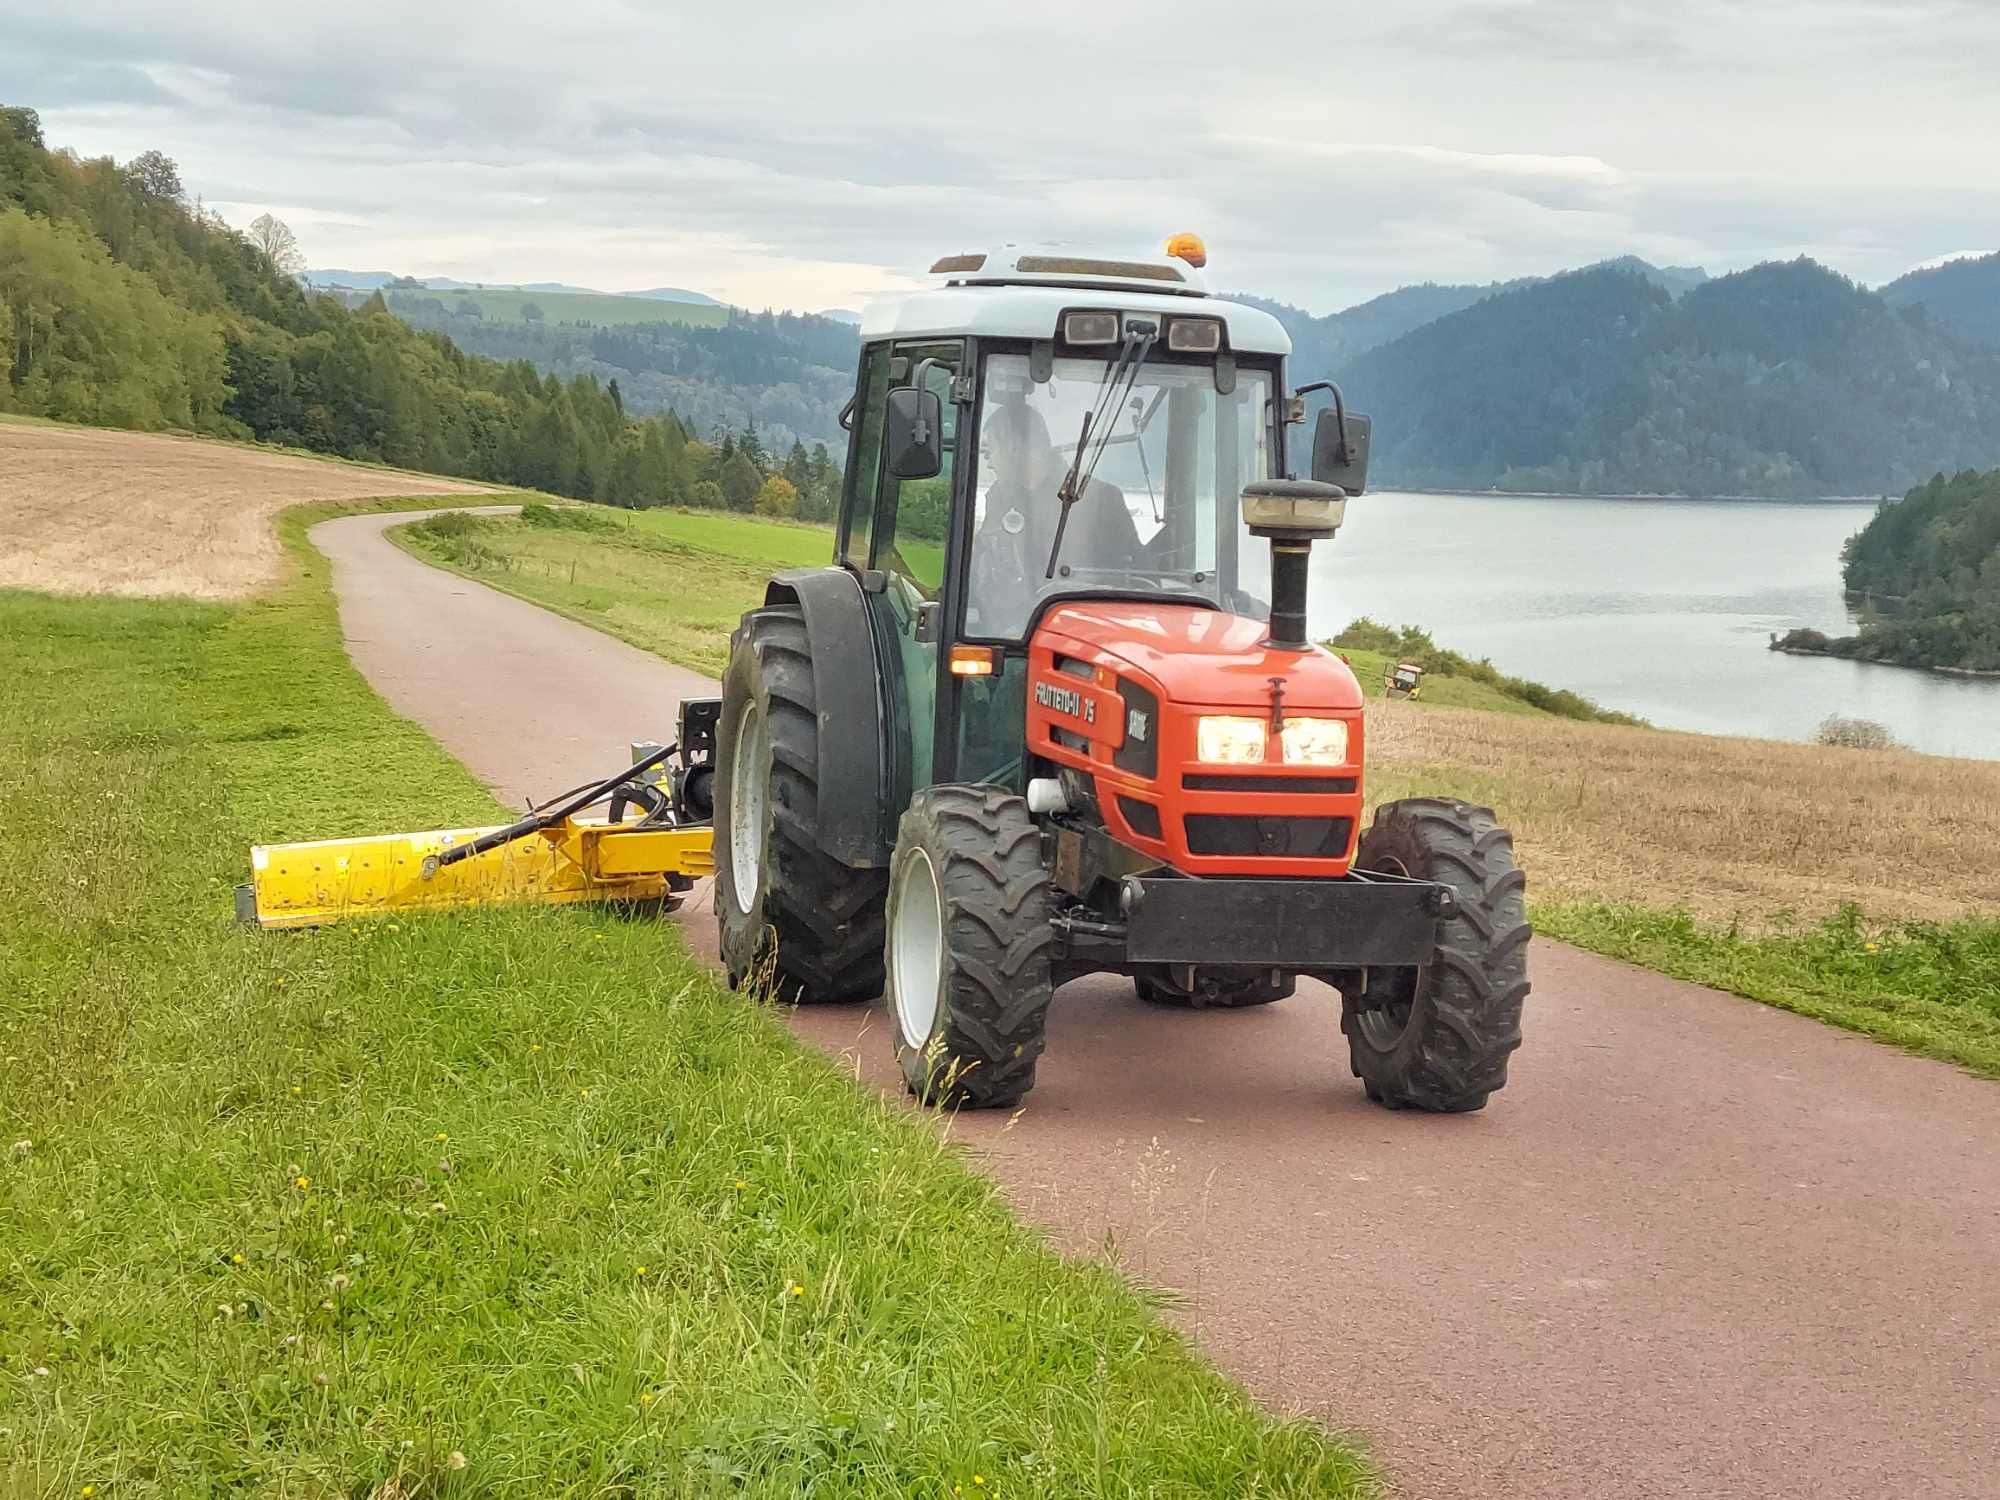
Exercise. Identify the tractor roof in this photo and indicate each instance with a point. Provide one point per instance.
(1019, 294)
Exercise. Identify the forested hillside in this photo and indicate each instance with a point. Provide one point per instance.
(123, 303)
(1783, 380)
(786, 374)
(1931, 564)
(1961, 294)
(1323, 344)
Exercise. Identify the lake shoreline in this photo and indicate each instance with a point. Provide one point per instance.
(1973, 673)
(1495, 494)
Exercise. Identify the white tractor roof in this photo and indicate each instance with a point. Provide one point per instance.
(1019, 294)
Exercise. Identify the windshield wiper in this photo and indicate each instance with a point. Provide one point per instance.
(1140, 335)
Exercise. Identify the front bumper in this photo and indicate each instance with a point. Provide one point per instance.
(1356, 921)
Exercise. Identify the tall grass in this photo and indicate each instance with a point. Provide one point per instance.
(509, 1203)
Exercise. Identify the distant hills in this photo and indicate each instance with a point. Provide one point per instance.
(371, 281)
(1784, 380)
(1622, 377)
(1326, 343)
(1960, 294)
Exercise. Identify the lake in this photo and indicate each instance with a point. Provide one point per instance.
(1661, 608)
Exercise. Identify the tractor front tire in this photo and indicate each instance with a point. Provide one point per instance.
(1221, 989)
(1437, 1037)
(969, 942)
(793, 919)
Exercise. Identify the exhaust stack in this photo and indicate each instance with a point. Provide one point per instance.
(1292, 514)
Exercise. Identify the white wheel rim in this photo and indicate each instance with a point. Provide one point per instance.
(916, 948)
(746, 808)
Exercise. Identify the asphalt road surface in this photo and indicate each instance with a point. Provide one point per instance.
(1696, 1248)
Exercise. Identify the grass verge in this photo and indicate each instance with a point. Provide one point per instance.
(655, 578)
(506, 1203)
(1932, 988)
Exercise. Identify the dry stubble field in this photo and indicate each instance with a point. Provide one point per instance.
(85, 510)
(1731, 829)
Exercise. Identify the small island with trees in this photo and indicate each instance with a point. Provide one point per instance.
(1928, 567)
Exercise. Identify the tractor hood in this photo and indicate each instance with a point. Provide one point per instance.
(1200, 655)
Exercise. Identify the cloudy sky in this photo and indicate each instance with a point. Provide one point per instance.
(807, 154)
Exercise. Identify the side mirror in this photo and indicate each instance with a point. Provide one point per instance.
(913, 433)
(1335, 461)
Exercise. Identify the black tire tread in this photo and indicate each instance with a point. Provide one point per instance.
(819, 934)
(987, 851)
(1467, 1015)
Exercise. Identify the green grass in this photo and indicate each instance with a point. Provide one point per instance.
(308, 1214)
(600, 308)
(777, 544)
(1929, 988)
(1455, 692)
(1450, 677)
(646, 578)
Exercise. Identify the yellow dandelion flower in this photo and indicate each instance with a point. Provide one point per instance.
(797, 1290)
(645, 1398)
(979, 1479)
(302, 1183)
(535, 1047)
(281, 981)
(236, 1259)
(296, 1090)
(442, 1136)
(641, 1271)
(87, 1491)
(586, 1093)
(1868, 947)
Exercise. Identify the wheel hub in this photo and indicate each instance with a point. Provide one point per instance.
(746, 807)
(916, 947)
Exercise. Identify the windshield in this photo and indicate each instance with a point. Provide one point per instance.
(1160, 513)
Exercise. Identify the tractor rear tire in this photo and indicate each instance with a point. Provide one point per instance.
(1219, 990)
(1437, 1037)
(794, 920)
(969, 944)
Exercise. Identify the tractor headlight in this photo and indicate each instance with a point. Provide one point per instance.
(1227, 740)
(1314, 742)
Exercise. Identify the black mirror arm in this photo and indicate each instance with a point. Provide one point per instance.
(1339, 414)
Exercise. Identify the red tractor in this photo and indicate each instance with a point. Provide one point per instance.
(1040, 717)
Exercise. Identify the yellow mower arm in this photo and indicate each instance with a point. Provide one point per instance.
(576, 859)
(551, 856)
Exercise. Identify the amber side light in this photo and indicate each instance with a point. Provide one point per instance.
(974, 661)
(1188, 247)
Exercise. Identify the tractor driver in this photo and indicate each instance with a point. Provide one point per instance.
(1010, 549)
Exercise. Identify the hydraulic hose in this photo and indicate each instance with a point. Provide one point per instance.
(547, 816)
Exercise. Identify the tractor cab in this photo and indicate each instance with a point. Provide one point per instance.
(1056, 683)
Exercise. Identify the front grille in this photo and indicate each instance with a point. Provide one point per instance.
(1268, 837)
(1204, 781)
(1142, 817)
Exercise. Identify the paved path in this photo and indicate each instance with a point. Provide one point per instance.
(1697, 1247)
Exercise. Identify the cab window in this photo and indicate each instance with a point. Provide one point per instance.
(912, 516)
(857, 510)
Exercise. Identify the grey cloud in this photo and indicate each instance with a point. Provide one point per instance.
(1447, 139)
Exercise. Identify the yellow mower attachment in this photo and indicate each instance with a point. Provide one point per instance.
(552, 856)
(576, 859)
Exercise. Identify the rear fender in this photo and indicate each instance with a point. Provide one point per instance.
(853, 825)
